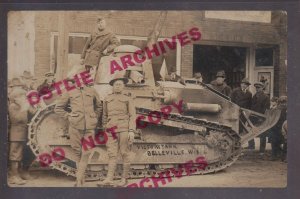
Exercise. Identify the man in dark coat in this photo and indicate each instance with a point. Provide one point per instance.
(260, 103)
(220, 85)
(242, 96)
(101, 42)
(277, 137)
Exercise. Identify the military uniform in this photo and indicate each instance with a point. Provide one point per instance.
(86, 108)
(119, 110)
(96, 44)
(18, 118)
(28, 80)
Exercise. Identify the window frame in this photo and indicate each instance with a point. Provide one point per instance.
(143, 38)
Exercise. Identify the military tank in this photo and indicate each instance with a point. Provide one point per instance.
(208, 125)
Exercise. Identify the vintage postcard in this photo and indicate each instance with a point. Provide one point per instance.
(147, 98)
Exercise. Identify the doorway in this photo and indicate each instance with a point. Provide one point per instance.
(209, 59)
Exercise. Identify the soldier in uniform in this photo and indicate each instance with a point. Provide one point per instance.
(86, 108)
(19, 110)
(198, 77)
(219, 83)
(260, 103)
(119, 110)
(28, 80)
(242, 96)
(101, 42)
(47, 84)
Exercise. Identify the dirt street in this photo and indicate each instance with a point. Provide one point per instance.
(251, 170)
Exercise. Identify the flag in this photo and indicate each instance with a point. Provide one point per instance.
(163, 70)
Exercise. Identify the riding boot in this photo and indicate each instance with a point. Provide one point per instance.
(125, 175)
(14, 174)
(109, 180)
(80, 175)
(25, 174)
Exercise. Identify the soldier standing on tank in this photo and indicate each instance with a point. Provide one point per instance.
(260, 103)
(101, 42)
(220, 85)
(86, 108)
(19, 111)
(119, 110)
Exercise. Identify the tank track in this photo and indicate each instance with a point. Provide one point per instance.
(142, 173)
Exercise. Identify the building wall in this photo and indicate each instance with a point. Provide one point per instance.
(21, 37)
(140, 23)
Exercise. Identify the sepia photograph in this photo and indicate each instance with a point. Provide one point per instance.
(150, 99)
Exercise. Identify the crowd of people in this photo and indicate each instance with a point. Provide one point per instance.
(82, 108)
(20, 112)
(259, 102)
(116, 109)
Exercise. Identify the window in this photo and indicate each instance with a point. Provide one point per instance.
(76, 44)
(78, 40)
(264, 57)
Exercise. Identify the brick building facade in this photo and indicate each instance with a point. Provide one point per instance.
(221, 38)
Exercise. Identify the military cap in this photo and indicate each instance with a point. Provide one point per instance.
(246, 81)
(27, 75)
(118, 76)
(197, 75)
(16, 82)
(221, 73)
(259, 84)
(48, 74)
(100, 18)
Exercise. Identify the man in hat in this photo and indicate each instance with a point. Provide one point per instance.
(46, 86)
(15, 83)
(220, 85)
(198, 77)
(19, 111)
(86, 108)
(102, 42)
(242, 96)
(28, 80)
(260, 103)
(119, 110)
